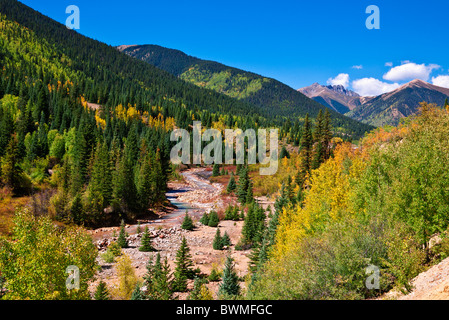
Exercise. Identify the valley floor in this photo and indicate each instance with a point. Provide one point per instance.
(196, 195)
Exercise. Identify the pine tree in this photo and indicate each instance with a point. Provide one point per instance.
(327, 134)
(157, 280)
(205, 219)
(101, 174)
(146, 245)
(231, 185)
(11, 171)
(216, 170)
(226, 240)
(238, 169)
(217, 244)
(101, 293)
(77, 210)
(284, 153)
(249, 193)
(242, 189)
(183, 270)
(306, 152)
(195, 294)
(187, 224)
(138, 229)
(122, 241)
(144, 180)
(213, 219)
(214, 275)
(137, 293)
(230, 285)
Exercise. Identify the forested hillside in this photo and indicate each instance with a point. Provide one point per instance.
(274, 98)
(378, 205)
(81, 118)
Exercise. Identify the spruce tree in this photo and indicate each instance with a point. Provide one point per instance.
(242, 189)
(306, 152)
(146, 245)
(217, 244)
(195, 294)
(121, 240)
(327, 134)
(11, 171)
(231, 185)
(183, 270)
(249, 193)
(205, 219)
(101, 293)
(157, 279)
(230, 285)
(284, 153)
(137, 293)
(77, 210)
(226, 240)
(213, 219)
(216, 170)
(101, 176)
(187, 224)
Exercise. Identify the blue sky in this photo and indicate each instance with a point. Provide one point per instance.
(297, 42)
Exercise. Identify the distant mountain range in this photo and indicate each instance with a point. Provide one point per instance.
(334, 97)
(271, 96)
(387, 108)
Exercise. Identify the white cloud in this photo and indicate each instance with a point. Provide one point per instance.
(359, 67)
(410, 71)
(341, 79)
(441, 81)
(388, 64)
(372, 87)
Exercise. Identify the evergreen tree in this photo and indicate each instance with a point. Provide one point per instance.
(12, 173)
(284, 153)
(213, 219)
(101, 293)
(122, 241)
(101, 175)
(217, 244)
(205, 219)
(214, 275)
(195, 294)
(187, 224)
(249, 193)
(243, 184)
(305, 153)
(146, 245)
(157, 279)
(77, 210)
(137, 293)
(327, 134)
(230, 285)
(183, 270)
(216, 170)
(238, 169)
(144, 181)
(226, 240)
(231, 185)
